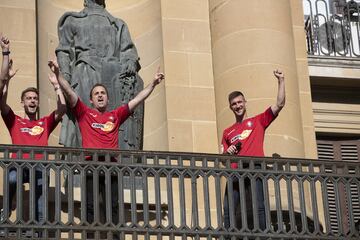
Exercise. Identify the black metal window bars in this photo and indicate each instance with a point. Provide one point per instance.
(332, 28)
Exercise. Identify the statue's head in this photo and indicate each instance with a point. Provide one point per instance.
(90, 3)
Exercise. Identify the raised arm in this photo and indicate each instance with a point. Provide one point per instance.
(61, 104)
(5, 47)
(146, 91)
(70, 95)
(280, 101)
(5, 108)
(7, 72)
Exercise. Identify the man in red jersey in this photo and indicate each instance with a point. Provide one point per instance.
(99, 127)
(246, 138)
(28, 130)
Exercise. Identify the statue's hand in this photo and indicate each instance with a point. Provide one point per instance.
(130, 67)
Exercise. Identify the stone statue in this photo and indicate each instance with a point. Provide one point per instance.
(95, 47)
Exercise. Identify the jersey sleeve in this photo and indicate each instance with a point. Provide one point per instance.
(79, 109)
(123, 112)
(9, 119)
(224, 144)
(266, 117)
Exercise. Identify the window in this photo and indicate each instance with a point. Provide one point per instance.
(340, 148)
(332, 27)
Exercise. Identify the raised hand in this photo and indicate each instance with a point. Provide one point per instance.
(143, 94)
(54, 66)
(159, 76)
(130, 67)
(279, 74)
(5, 43)
(280, 100)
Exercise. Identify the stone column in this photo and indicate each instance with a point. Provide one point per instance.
(17, 22)
(190, 99)
(249, 40)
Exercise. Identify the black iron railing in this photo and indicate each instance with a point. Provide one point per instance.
(332, 28)
(164, 195)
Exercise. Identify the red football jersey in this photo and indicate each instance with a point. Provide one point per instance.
(26, 132)
(100, 130)
(250, 133)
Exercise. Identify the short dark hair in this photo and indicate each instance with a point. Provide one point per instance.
(98, 85)
(88, 3)
(235, 94)
(29, 89)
